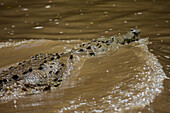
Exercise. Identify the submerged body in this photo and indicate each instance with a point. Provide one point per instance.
(44, 71)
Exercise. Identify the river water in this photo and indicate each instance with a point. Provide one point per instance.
(131, 78)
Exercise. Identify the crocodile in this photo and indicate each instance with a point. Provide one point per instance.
(45, 71)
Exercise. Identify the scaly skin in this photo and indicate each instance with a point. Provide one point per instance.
(43, 71)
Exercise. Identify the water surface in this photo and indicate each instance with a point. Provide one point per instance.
(128, 79)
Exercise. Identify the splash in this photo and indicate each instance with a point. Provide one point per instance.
(133, 93)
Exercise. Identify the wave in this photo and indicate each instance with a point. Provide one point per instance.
(135, 92)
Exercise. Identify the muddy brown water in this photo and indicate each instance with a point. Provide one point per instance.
(132, 78)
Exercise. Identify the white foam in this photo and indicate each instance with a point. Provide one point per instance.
(13, 43)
